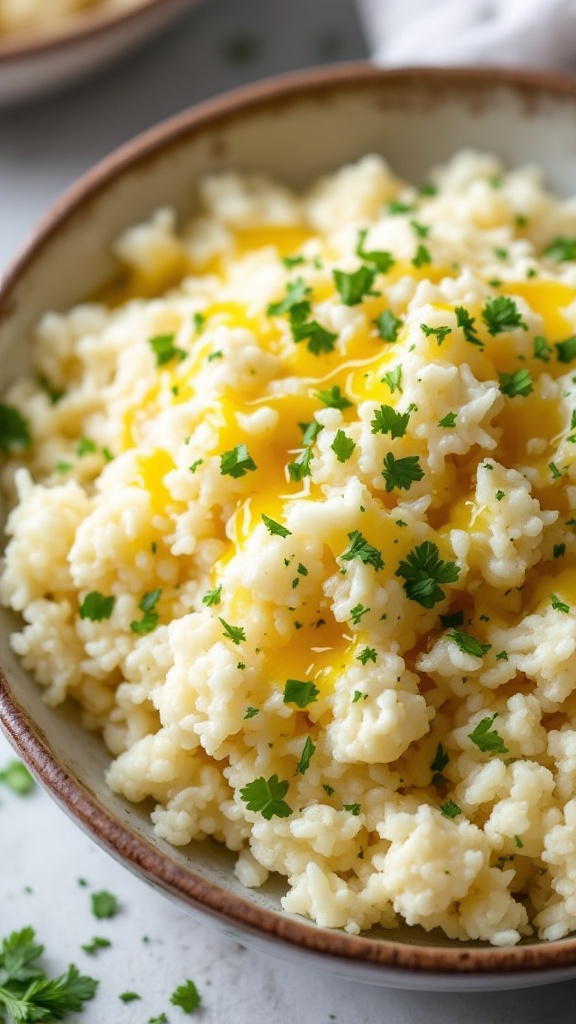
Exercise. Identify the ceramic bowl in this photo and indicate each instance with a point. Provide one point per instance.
(294, 128)
(34, 63)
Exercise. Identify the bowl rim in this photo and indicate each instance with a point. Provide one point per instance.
(28, 739)
(72, 29)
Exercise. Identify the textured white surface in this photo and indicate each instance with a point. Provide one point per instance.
(43, 148)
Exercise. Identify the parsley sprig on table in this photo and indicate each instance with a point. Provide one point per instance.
(26, 991)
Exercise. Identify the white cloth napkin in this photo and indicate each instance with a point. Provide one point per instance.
(535, 33)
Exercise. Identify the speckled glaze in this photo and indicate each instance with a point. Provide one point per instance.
(35, 64)
(416, 118)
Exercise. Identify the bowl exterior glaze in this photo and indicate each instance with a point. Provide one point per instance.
(415, 118)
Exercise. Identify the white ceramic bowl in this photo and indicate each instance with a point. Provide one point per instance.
(293, 128)
(38, 62)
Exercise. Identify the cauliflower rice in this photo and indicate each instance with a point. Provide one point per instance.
(295, 524)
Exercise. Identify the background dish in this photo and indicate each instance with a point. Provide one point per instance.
(416, 119)
(34, 63)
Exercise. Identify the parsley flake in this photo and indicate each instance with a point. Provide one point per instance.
(96, 943)
(333, 398)
(104, 904)
(366, 655)
(393, 378)
(164, 349)
(562, 249)
(441, 759)
(355, 286)
(14, 429)
(437, 332)
(558, 550)
(383, 261)
(296, 301)
(466, 323)
(317, 338)
(388, 421)
(566, 349)
(307, 752)
(234, 633)
(251, 712)
(487, 739)
(187, 997)
(360, 548)
(449, 809)
(542, 349)
(96, 607)
(452, 619)
(421, 256)
(401, 473)
(352, 808)
(468, 644)
(558, 605)
(274, 528)
(310, 432)
(267, 797)
(150, 616)
(301, 466)
(449, 420)
(129, 997)
(518, 383)
(237, 462)
(300, 692)
(342, 446)
(423, 570)
(501, 314)
(212, 597)
(388, 325)
(84, 446)
(16, 777)
(357, 612)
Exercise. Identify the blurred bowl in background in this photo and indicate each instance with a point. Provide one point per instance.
(34, 62)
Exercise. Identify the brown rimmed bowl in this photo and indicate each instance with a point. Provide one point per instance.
(294, 128)
(37, 62)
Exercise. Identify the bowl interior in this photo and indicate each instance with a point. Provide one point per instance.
(295, 130)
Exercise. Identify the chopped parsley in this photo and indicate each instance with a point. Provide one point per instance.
(366, 655)
(195, 465)
(104, 904)
(237, 462)
(292, 261)
(150, 616)
(501, 314)
(466, 323)
(558, 550)
(421, 256)
(333, 398)
(423, 571)
(84, 446)
(318, 339)
(14, 429)
(26, 991)
(542, 349)
(438, 765)
(267, 797)
(449, 420)
(301, 466)
(187, 997)
(251, 712)
(393, 378)
(556, 473)
(468, 644)
(199, 321)
(328, 789)
(95, 944)
(421, 230)
(382, 260)
(486, 738)
(360, 548)
(276, 529)
(213, 597)
(396, 206)
(566, 349)
(561, 249)
(452, 619)
(96, 607)
(164, 349)
(300, 692)
(342, 446)
(437, 332)
(558, 605)
(449, 809)
(357, 612)
(352, 808)
(296, 301)
(129, 997)
(307, 752)
(401, 473)
(388, 325)
(310, 432)
(500, 495)
(358, 695)
(518, 383)
(388, 421)
(17, 778)
(234, 633)
(518, 842)
(355, 286)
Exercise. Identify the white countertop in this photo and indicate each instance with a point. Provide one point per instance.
(44, 147)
